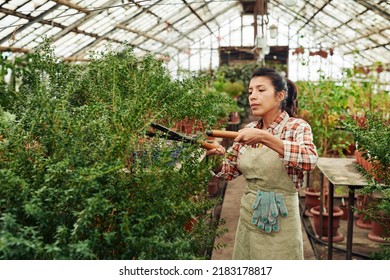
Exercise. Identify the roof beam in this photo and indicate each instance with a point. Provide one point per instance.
(326, 33)
(208, 9)
(362, 37)
(13, 49)
(375, 8)
(144, 34)
(43, 21)
(72, 5)
(199, 25)
(98, 40)
(369, 48)
(198, 16)
(311, 18)
(23, 27)
(159, 18)
(75, 25)
(172, 24)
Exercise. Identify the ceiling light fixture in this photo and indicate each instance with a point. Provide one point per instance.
(290, 3)
(273, 31)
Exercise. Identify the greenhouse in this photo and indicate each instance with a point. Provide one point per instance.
(195, 130)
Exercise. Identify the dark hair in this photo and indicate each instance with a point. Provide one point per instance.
(290, 103)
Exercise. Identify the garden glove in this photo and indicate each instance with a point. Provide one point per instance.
(264, 207)
(273, 209)
(261, 209)
(281, 208)
(275, 226)
(255, 206)
(257, 213)
(267, 207)
(273, 212)
(281, 204)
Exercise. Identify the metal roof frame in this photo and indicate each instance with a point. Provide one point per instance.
(76, 27)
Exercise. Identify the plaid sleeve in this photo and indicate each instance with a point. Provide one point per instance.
(299, 149)
(229, 169)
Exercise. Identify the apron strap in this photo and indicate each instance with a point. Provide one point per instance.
(282, 125)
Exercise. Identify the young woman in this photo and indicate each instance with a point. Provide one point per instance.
(272, 154)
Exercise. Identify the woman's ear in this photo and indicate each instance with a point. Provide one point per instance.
(281, 95)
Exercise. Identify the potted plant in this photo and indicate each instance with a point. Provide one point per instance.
(380, 215)
(323, 230)
(239, 75)
(322, 104)
(373, 140)
(312, 199)
(320, 214)
(326, 103)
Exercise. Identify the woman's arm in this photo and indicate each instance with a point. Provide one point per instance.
(251, 136)
(296, 150)
(299, 149)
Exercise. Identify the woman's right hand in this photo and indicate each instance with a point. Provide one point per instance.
(218, 150)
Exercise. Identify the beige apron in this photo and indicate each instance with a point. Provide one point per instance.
(265, 171)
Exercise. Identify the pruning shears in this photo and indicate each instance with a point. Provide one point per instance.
(173, 135)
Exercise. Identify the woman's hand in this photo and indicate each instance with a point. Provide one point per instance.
(250, 136)
(218, 150)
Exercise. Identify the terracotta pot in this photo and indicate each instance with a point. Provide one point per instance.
(358, 157)
(361, 202)
(213, 187)
(312, 198)
(376, 171)
(190, 224)
(344, 208)
(234, 117)
(380, 231)
(337, 213)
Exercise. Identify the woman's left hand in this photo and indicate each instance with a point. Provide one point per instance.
(250, 136)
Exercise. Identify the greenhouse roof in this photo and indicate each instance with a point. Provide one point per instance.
(179, 29)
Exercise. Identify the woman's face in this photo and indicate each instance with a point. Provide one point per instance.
(262, 97)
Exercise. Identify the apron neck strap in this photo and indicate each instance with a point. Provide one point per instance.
(282, 124)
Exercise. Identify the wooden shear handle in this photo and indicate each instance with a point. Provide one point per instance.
(222, 133)
(206, 145)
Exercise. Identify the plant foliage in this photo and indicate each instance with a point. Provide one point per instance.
(80, 180)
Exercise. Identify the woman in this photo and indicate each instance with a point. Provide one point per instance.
(272, 154)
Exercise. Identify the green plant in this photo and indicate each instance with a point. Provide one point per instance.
(236, 73)
(325, 102)
(382, 254)
(80, 180)
(321, 104)
(12, 67)
(372, 136)
(234, 89)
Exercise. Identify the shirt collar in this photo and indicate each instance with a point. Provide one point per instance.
(275, 125)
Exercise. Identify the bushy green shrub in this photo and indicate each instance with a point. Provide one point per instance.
(80, 180)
